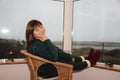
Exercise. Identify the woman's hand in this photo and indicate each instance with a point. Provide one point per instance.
(73, 59)
(43, 38)
(39, 33)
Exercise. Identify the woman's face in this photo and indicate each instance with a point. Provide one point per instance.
(39, 32)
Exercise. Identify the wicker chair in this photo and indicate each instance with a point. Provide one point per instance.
(34, 62)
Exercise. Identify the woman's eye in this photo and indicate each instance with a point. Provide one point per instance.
(36, 30)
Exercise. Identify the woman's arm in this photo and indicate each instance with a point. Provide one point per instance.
(38, 48)
(51, 48)
(57, 52)
(63, 55)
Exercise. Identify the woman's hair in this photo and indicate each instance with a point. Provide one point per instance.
(29, 30)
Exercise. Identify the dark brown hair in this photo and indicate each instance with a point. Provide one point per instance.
(29, 30)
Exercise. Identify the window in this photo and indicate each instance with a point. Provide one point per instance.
(96, 25)
(15, 14)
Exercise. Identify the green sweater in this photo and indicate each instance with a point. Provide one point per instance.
(46, 49)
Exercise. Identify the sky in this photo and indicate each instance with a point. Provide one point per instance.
(93, 20)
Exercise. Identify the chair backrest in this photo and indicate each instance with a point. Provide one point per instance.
(34, 62)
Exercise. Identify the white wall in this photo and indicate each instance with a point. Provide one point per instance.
(14, 72)
(21, 72)
(96, 74)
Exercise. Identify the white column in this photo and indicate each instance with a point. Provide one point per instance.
(68, 23)
(68, 15)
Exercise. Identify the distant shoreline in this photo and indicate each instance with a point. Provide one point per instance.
(96, 45)
(92, 43)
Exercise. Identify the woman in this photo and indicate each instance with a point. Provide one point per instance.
(40, 45)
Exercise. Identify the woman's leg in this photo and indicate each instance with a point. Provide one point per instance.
(82, 58)
(79, 65)
(95, 57)
(90, 55)
(92, 58)
(78, 58)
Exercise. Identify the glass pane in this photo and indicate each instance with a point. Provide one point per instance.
(111, 53)
(15, 14)
(96, 23)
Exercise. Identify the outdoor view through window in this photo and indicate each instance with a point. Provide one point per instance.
(95, 25)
